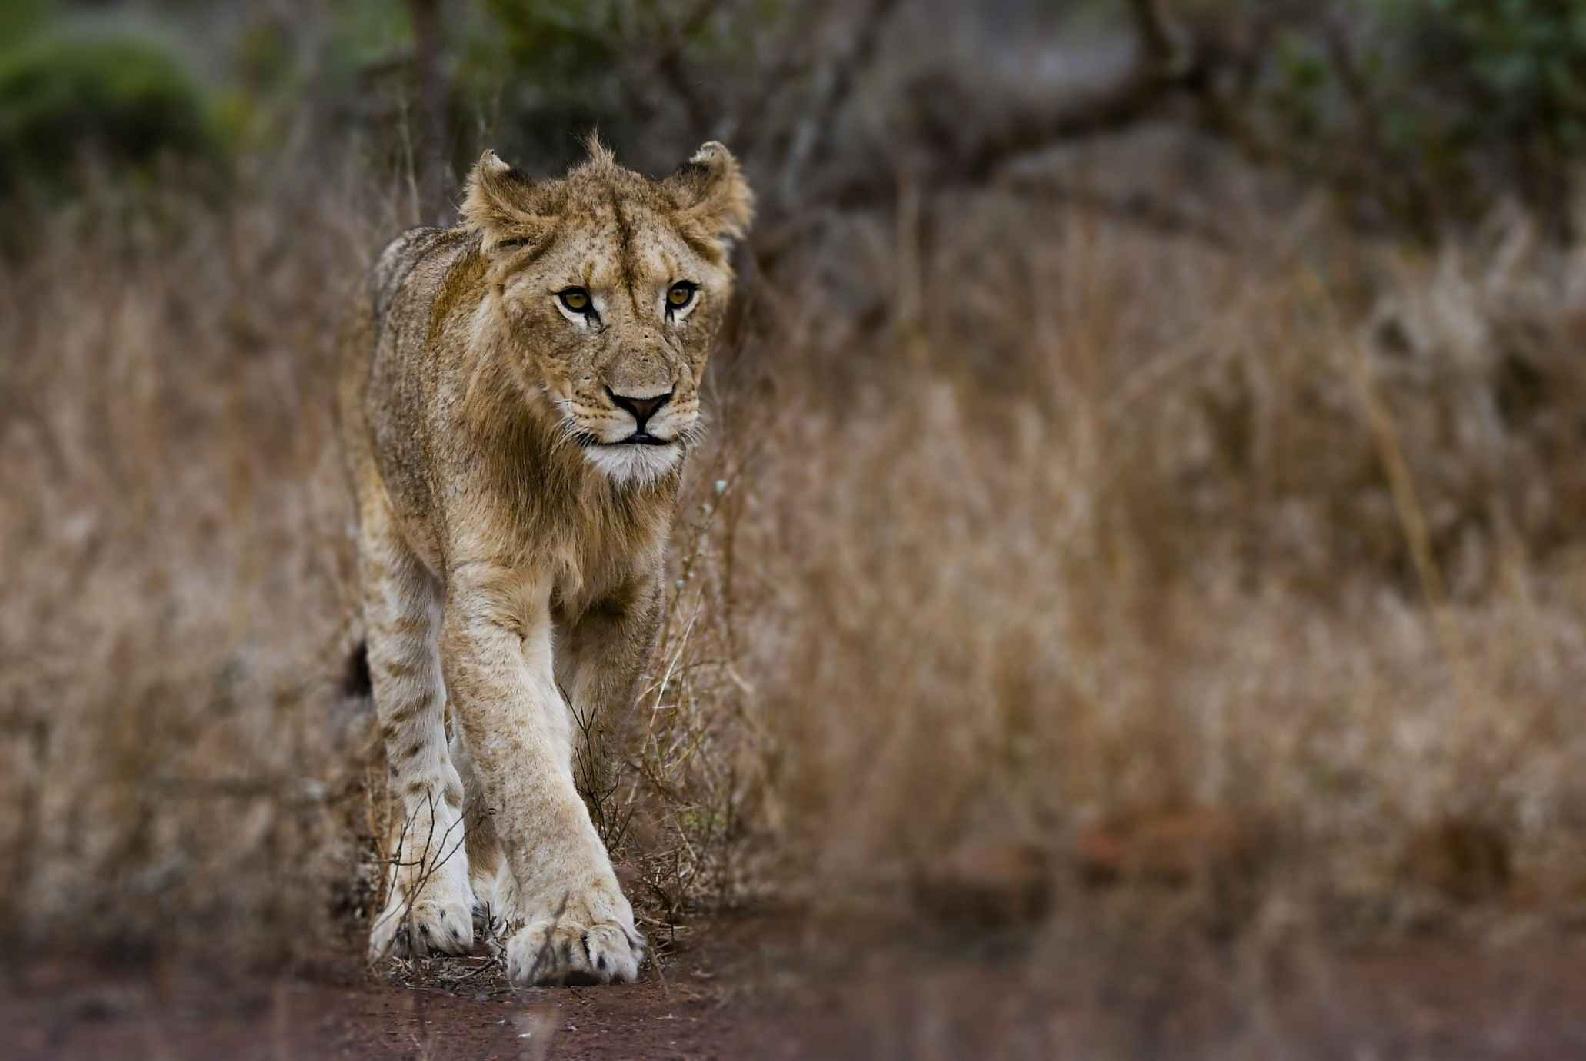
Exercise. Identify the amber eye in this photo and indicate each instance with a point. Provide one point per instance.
(575, 299)
(680, 294)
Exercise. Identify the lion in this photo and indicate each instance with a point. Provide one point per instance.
(517, 400)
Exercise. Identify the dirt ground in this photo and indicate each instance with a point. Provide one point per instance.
(761, 986)
(337, 1009)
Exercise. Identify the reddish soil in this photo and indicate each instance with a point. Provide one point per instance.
(685, 1005)
(728, 992)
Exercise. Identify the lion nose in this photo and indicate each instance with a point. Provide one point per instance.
(641, 408)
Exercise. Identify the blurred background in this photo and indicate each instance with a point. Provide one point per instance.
(1137, 567)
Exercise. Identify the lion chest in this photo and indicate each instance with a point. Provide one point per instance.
(603, 568)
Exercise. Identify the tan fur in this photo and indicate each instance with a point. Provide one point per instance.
(510, 545)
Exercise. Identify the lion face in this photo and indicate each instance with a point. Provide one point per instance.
(609, 288)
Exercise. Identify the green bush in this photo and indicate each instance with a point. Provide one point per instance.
(1426, 111)
(1509, 78)
(120, 101)
(548, 66)
(1523, 61)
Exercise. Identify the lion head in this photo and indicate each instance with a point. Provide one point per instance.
(608, 288)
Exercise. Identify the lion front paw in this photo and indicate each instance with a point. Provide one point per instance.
(431, 926)
(576, 948)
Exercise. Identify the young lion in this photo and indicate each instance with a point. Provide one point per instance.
(517, 402)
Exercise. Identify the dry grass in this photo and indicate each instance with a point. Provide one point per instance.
(177, 579)
(1033, 529)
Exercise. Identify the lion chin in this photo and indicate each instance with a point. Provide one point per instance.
(631, 464)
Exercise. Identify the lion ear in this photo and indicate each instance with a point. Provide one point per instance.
(710, 192)
(501, 204)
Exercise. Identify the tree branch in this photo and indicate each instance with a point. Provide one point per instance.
(1163, 67)
(1162, 48)
(812, 137)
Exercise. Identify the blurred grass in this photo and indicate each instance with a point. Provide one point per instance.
(1118, 528)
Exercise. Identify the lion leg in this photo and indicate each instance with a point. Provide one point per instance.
(487, 863)
(568, 919)
(602, 656)
(428, 903)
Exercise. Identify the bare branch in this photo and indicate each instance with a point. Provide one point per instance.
(812, 138)
(951, 152)
(1163, 51)
(433, 164)
(667, 63)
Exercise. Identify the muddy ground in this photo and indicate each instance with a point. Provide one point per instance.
(777, 987)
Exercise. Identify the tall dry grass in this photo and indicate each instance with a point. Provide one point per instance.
(1015, 530)
(176, 576)
(1118, 528)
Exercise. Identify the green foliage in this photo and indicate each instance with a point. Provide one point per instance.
(22, 18)
(543, 66)
(1426, 110)
(120, 100)
(541, 73)
(1524, 62)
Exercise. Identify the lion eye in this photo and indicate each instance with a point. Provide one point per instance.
(575, 299)
(680, 294)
